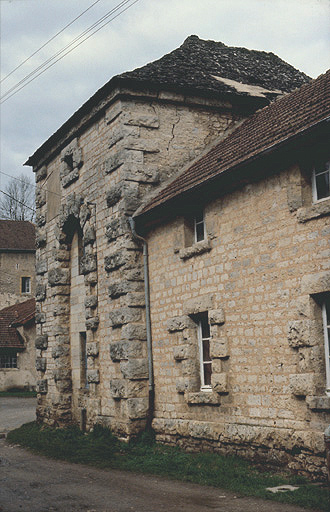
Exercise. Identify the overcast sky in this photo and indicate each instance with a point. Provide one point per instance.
(298, 31)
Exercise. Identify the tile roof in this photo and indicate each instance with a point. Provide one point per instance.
(18, 314)
(199, 68)
(17, 235)
(212, 66)
(272, 125)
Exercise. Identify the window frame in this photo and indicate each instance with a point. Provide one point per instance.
(314, 185)
(326, 328)
(202, 318)
(12, 363)
(199, 223)
(26, 279)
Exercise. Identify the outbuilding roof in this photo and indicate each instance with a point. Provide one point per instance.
(267, 129)
(14, 316)
(200, 68)
(17, 235)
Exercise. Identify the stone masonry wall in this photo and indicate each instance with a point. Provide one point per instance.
(260, 275)
(97, 180)
(14, 266)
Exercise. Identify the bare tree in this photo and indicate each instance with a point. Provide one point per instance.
(17, 199)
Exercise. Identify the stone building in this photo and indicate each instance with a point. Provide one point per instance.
(17, 261)
(239, 271)
(93, 331)
(17, 347)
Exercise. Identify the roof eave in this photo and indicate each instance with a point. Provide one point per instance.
(247, 102)
(143, 217)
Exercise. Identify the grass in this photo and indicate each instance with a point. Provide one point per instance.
(102, 449)
(18, 393)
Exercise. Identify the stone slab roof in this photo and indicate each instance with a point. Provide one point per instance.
(212, 66)
(14, 316)
(196, 68)
(268, 128)
(17, 235)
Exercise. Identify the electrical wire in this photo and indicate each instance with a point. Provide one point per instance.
(7, 95)
(28, 184)
(49, 40)
(50, 59)
(17, 201)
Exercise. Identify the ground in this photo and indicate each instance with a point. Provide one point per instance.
(32, 483)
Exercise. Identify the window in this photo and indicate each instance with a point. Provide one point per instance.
(326, 327)
(204, 351)
(199, 227)
(8, 360)
(321, 181)
(83, 361)
(26, 284)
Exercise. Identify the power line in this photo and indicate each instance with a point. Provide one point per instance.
(50, 59)
(29, 184)
(17, 201)
(13, 91)
(47, 42)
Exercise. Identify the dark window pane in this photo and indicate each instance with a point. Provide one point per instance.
(327, 308)
(205, 327)
(206, 350)
(322, 185)
(199, 232)
(199, 217)
(207, 374)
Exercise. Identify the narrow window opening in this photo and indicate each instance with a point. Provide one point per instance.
(321, 181)
(26, 284)
(326, 328)
(83, 361)
(204, 351)
(199, 226)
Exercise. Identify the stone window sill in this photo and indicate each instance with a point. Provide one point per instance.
(313, 211)
(202, 398)
(318, 403)
(195, 250)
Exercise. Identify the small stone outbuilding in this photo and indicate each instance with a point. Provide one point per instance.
(17, 261)
(232, 262)
(17, 347)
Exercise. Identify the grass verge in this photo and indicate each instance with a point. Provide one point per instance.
(18, 394)
(102, 449)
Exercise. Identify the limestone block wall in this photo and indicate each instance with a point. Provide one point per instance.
(260, 276)
(90, 184)
(14, 266)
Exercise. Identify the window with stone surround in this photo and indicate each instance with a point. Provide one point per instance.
(326, 328)
(321, 181)
(309, 184)
(25, 284)
(204, 351)
(195, 235)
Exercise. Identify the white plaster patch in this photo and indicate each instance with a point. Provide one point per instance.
(253, 90)
(282, 488)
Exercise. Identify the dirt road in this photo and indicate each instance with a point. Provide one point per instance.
(16, 411)
(31, 483)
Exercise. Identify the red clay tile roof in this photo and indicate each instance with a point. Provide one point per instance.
(17, 235)
(283, 119)
(18, 314)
